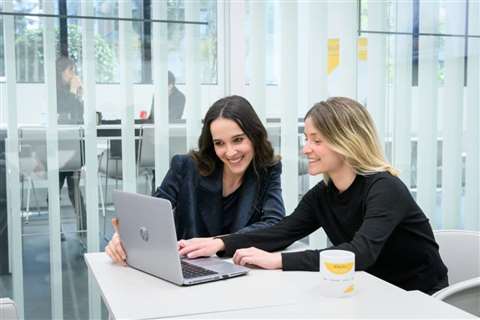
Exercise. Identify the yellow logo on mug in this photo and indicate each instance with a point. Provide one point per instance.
(339, 268)
(349, 289)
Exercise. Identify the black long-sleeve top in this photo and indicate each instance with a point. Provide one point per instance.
(69, 106)
(376, 218)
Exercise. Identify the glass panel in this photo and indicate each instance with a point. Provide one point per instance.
(106, 42)
(443, 11)
(2, 51)
(5, 276)
(36, 269)
(208, 41)
(29, 44)
(272, 46)
(383, 16)
(436, 108)
(115, 92)
(452, 17)
(474, 17)
(430, 20)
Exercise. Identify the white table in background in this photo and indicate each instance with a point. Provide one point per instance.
(131, 294)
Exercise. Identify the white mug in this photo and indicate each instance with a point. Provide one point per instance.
(337, 269)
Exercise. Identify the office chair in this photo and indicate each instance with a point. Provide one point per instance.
(464, 295)
(32, 162)
(460, 251)
(146, 158)
(8, 309)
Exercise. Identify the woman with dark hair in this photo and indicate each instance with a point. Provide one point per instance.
(231, 184)
(70, 111)
(361, 204)
(69, 93)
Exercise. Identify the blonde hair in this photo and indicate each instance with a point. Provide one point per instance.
(349, 129)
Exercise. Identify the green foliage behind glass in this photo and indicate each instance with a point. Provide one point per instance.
(29, 53)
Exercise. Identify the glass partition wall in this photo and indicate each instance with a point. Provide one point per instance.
(415, 65)
(422, 71)
(84, 110)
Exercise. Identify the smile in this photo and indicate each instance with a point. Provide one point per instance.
(235, 161)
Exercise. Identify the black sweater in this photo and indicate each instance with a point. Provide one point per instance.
(69, 106)
(376, 218)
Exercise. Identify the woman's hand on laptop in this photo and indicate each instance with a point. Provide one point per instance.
(200, 247)
(258, 257)
(114, 249)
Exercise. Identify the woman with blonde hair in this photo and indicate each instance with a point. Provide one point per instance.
(361, 204)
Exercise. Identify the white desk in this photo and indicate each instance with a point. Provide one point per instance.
(371, 305)
(131, 294)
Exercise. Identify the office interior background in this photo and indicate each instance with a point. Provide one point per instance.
(414, 64)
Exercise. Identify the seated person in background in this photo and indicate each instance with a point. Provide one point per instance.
(176, 102)
(231, 184)
(361, 204)
(70, 111)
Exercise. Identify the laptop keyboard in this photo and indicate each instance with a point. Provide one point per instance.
(192, 271)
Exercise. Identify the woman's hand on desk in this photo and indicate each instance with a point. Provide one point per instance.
(257, 257)
(200, 247)
(114, 249)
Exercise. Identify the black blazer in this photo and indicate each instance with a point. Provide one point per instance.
(198, 203)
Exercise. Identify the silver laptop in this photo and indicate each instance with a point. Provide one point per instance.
(148, 234)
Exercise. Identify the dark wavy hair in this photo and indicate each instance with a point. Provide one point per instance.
(239, 110)
(62, 64)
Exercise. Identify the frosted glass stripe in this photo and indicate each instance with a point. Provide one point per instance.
(345, 75)
(402, 87)
(452, 122)
(428, 105)
(224, 14)
(235, 62)
(160, 85)
(257, 58)
(14, 217)
(222, 27)
(91, 161)
(376, 63)
(126, 85)
(288, 84)
(89, 102)
(56, 282)
(472, 109)
(193, 108)
(303, 50)
(317, 33)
